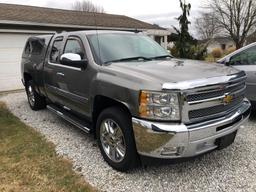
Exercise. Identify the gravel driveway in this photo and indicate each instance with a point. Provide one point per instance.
(232, 169)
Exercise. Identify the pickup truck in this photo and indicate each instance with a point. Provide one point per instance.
(137, 99)
(245, 59)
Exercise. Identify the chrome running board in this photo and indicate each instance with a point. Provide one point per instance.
(81, 124)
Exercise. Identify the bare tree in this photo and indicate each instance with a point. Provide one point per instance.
(87, 6)
(236, 17)
(206, 26)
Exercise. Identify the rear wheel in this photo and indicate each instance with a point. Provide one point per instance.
(116, 140)
(36, 101)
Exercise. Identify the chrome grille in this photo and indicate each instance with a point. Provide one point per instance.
(213, 101)
(215, 93)
(214, 110)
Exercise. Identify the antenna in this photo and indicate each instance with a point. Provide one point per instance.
(97, 34)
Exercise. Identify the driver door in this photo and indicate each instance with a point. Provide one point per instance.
(75, 90)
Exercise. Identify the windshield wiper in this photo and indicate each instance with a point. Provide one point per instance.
(161, 57)
(129, 59)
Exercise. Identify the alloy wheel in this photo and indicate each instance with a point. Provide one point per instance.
(31, 95)
(112, 140)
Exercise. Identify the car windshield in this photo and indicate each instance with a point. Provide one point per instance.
(114, 47)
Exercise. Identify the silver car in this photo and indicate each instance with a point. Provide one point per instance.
(245, 59)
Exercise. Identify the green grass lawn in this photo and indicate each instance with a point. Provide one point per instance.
(29, 163)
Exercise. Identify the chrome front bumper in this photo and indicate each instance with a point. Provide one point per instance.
(169, 140)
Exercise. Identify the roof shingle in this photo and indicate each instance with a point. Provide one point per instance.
(12, 12)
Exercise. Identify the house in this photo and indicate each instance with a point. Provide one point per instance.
(18, 22)
(222, 43)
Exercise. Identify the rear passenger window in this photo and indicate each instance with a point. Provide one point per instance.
(55, 52)
(74, 46)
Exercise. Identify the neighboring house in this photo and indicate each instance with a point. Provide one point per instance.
(18, 22)
(223, 43)
(159, 35)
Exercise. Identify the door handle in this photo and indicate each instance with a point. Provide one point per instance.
(60, 74)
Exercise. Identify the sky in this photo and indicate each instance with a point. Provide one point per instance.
(161, 12)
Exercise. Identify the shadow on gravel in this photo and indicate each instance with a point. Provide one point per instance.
(157, 163)
(206, 163)
(253, 116)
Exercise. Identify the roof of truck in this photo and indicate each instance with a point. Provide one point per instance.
(91, 32)
(85, 32)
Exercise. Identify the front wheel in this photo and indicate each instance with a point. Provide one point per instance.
(116, 140)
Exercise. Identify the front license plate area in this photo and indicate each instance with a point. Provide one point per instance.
(225, 141)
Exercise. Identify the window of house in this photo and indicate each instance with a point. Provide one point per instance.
(56, 50)
(223, 46)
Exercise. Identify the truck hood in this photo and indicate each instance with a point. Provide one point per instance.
(172, 71)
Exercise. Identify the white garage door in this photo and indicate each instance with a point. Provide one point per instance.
(11, 47)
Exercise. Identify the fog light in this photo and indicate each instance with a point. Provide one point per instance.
(172, 151)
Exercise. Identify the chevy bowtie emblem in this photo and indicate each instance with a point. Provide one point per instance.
(228, 99)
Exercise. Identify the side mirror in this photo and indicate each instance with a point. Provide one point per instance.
(73, 60)
(227, 62)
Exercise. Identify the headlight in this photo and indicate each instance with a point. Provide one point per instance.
(159, 106)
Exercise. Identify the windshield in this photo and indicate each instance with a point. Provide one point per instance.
(117, 47)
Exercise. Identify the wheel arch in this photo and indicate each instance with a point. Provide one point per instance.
(101, 102)
(27, 77)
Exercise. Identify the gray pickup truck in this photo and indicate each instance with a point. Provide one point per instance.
(245, 59)
(137, 99)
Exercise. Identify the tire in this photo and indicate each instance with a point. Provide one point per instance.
(36, 102)
(253, 103)
(120, 120)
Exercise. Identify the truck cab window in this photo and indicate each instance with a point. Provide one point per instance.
(37, 46)
(28, 48)
(74, 46)
(55, 52)
(246, 57)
